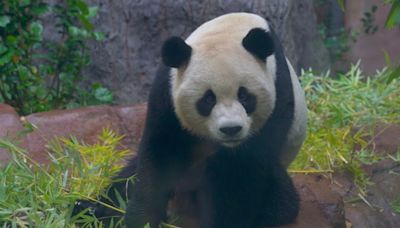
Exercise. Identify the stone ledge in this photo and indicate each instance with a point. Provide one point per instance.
(83, 123)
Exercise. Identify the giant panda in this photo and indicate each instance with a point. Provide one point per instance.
(226, 116)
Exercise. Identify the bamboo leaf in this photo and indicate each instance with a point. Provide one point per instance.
(394, 75)
(393, 17)
(341, 4)
(387, 59)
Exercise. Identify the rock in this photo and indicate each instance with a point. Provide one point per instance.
(387, 182)
(360, 215)
(85, 124)
(386, 138)
(371, 48)
(132, 120)
(320, 206)
(127, 60)
(10, 127)
(385, 142)
(376, 210)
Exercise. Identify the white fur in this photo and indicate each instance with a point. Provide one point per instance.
(219, 62)
(298, 129)
(211, 68)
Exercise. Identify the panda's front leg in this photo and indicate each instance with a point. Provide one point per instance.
(229, 194)
(282, 202)
(149, 197)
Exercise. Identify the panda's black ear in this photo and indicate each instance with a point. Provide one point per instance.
(175, 52)
(259, 43)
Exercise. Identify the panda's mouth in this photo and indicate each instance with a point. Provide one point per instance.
(232, 142)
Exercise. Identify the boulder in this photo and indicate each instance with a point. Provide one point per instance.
(85, 124)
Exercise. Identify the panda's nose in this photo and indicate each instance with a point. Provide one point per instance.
(231, 130)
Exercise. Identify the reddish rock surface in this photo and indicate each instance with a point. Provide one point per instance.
(370, 48)
(10, 127)
(320, 206)
(85, 124)
(384, 175)
(386, 138)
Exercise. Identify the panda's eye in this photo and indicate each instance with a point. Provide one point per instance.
(242, 94)
(209, 97)
(206, 103)
(247, 100)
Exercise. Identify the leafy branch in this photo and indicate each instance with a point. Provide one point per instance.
(37, 74)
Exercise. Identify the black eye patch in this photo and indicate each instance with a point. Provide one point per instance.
(206, 103)
(247, 99)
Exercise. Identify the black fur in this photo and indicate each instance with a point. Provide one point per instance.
(248, 100)
(259, 43)
(175, 52)
(205, 105)
(241, 187)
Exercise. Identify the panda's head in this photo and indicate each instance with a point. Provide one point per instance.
(222, 87)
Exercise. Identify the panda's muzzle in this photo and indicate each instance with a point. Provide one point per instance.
(231, 130)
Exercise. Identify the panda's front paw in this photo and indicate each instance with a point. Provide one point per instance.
(102, 213)
(84, 206)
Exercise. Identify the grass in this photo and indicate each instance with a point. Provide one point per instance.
(396, 206)
(338, 106)
(396, 203)
(37, 196)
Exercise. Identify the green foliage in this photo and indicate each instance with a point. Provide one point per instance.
(38, 75)
(339, 44)
(341, 4)
(393, 69)
(368, 21)
(336, 108)
(396, 206)
(396, 157)
(35, 196)
(368, 157)
(395, 74)
(393, 18)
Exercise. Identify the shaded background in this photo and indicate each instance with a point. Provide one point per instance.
(127, 60)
